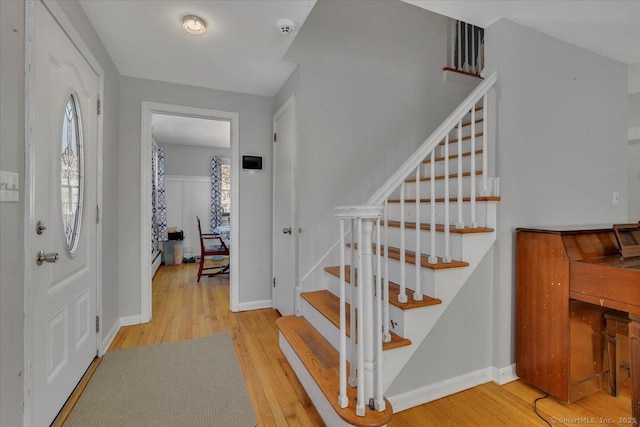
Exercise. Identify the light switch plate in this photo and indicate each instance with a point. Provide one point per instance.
(9, 188)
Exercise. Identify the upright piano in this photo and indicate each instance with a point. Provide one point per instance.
(566, 278)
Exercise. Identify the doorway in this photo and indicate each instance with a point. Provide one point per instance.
(63, 190)
(285, 224)
(149, 110)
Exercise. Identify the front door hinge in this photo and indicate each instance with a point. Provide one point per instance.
(97, 214)
(99, 106)
(97, 323)
(275, 137)
(274, 282)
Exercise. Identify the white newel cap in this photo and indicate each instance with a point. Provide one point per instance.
(362, 211)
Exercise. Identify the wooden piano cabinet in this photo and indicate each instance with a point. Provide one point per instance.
(565, 279)
(634, 344)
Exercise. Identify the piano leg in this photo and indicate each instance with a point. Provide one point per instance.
(634, 344)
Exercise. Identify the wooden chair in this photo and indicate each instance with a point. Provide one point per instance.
(212, 245)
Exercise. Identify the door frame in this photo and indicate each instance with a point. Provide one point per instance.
(148, 109)
(290, 103)
(29, 182)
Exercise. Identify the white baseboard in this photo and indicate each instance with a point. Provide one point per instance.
(439, 390)
(255, 305)
(108, 339)
(451, 386)
(130, 320)
(155, 265)
(502, 376)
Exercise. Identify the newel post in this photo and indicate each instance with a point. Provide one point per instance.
(366, 364)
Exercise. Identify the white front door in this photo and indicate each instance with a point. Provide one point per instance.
(285, 231)
(63, 338)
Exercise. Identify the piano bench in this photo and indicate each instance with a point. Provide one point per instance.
(616, 325)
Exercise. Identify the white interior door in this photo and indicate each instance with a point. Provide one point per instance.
(285, 230)
(64, 150)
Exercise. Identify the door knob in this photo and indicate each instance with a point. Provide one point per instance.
(44, 257)
(286, 230)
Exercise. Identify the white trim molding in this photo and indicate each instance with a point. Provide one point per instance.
(130, 320)
(439, 390)
(148, 108)
(109, 337)
(255, 305)
(431, 392)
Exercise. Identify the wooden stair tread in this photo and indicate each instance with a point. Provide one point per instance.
(410, 257)
(466, 73)
(438, 177)
(452, 156)
(328, 305)
(322, 362)
(394, 291)
(440, 227)
(464, 138)
(451, 199)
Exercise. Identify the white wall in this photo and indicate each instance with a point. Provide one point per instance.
(189, 160)
(255, 187)
(370, 91)
(12, 214)
(561, 144)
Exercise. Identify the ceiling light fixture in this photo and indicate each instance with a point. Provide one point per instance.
(194, 24)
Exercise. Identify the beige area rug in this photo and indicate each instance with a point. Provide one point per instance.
(186, 383)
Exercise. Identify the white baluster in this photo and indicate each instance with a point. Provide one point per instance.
(466, 48)
(460, 223)
(343, 400)
(485, 138)
(452, 61)
(402, 297)
(474, 69)
(433, 259)
(474, 222)
(447, 250)
(358, 338)
(385, 321)
(417, 295)
(379, 388)
(353, 373)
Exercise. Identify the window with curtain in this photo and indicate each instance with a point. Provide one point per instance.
(225, 189)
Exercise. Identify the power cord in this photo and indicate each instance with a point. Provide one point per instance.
(535, 409)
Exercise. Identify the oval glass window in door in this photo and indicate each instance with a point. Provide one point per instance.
(71, 176)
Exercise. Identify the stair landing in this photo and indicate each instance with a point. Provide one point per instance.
(322, 362)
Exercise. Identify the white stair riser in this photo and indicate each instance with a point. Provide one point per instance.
(439, 165)
(466, 130)
(425, 211)
(396, 315)
(425, 187)
(456, 244)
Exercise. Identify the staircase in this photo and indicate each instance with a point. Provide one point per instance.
(401, 259)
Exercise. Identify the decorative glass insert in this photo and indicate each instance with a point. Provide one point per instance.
(225, 188)
(71, 177)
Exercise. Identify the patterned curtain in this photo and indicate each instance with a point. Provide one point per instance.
(161, 207)
(154, 196)
(216, 181)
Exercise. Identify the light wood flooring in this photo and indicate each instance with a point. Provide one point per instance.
(184, 309)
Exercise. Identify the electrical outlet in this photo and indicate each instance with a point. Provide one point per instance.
(9, 189)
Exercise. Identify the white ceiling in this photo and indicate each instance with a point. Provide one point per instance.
(610, 28)
(241, 51)
(181, 130)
